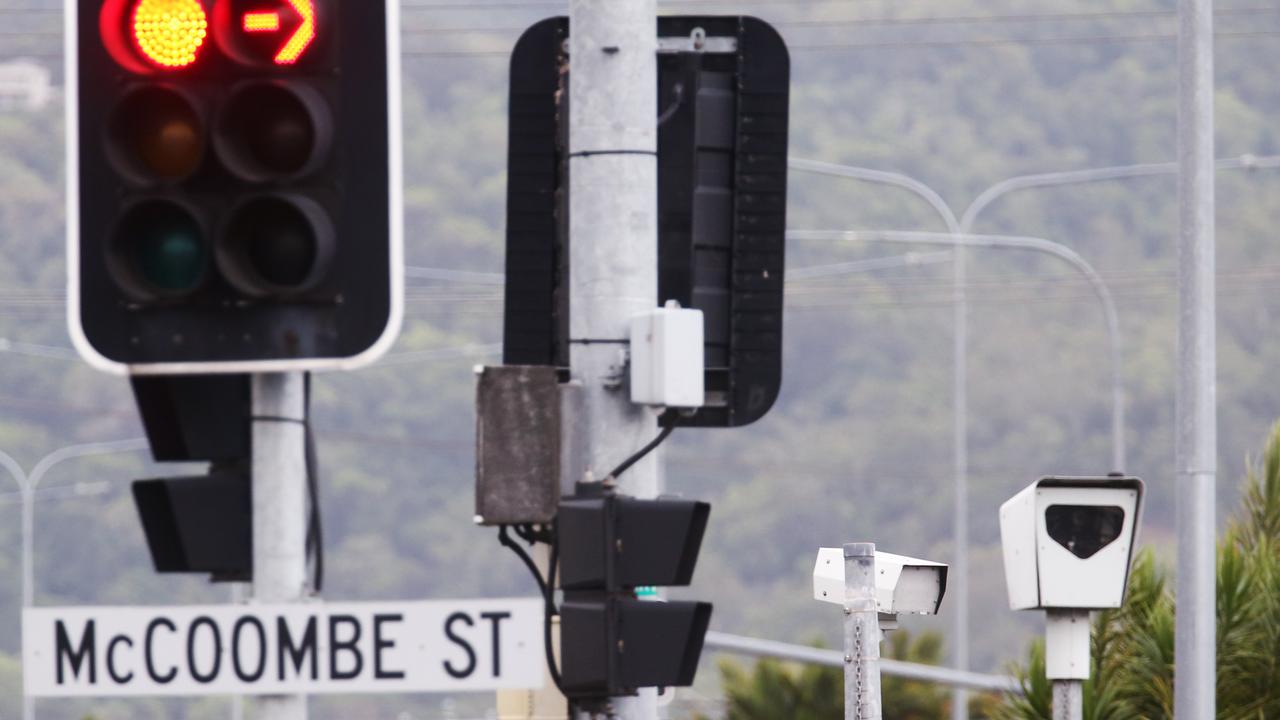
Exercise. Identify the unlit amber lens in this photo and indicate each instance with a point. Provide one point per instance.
(170, 32)
(157, 134)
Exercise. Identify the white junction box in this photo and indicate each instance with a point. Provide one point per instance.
(1068, 542)
(667, 358)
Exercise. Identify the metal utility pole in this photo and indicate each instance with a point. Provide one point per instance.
(613, 241)
(279, 510)
(1196, 454)
(861, 634)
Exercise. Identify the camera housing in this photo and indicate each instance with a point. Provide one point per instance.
(904, 585)
(1068, 542)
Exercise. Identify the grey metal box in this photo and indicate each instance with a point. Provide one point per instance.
(517, 445)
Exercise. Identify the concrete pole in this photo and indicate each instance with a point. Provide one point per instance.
(1196, 447)
(861, 634)
(613, 240)
(279, 511)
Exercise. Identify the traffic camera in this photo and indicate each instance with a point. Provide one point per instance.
(904, 585)
(1068, 542)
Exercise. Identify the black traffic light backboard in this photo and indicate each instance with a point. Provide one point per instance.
(722, 189)
(234, 183)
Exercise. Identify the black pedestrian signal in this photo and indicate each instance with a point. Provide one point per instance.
(613, 642)
(234, 184)
(723, 98)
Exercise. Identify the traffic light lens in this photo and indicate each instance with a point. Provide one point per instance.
(273, 131)
(158, 251)
(283, 247)
(171, 258)
(170, 32)
(157, 134)
(276, 246)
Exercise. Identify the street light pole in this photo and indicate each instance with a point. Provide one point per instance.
(28, 483)
(1196, 441)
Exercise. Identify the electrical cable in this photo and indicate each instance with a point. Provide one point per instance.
(546, 587)
(550, 597)
(520, 552)
(653, 444)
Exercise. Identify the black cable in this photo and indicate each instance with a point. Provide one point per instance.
(315, 526)
(626, 464)
(547, 587)
(550, 591)
(506, 541)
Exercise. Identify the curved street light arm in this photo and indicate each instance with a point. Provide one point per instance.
(1034, 244)
(1077, 177)
(881, 177)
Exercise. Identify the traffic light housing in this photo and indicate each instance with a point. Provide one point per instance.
(234, 184)
(613, 642)
(199, 524)
(723, 98)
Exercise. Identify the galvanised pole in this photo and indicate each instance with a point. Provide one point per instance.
(1196, 442)
(613, 248)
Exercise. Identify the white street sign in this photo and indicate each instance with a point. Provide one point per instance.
(384, 647)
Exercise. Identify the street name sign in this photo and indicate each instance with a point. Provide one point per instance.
(383, 647)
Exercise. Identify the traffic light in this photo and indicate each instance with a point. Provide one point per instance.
(723, 98)
(234, 184)
(199, 524)
(613, 642)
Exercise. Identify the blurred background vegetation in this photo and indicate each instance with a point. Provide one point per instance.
(859, 445)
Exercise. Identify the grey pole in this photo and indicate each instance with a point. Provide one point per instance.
(1068, 700)
(960, 398)
(861, 634)
(960, 461)
(613, 242)
(279, 511)
(1196, 446)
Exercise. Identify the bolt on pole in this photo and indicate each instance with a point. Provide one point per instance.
(613, 242)
(279, 510)
(861, 634)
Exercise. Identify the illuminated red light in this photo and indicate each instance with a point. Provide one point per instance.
(261, 22)
(169, 33)
(303, 37)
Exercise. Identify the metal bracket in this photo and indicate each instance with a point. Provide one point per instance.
(697, 41)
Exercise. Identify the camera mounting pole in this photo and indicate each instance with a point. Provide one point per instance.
(1066, 660)
(861, 634)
